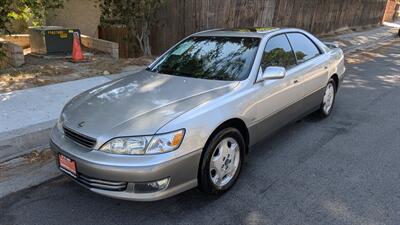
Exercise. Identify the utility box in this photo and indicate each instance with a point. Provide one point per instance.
(51, 39)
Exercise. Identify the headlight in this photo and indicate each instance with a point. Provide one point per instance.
(127, 146)
(165, 142)
(144, 144)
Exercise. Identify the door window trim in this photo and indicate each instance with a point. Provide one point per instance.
(320, 52)
(281, 34)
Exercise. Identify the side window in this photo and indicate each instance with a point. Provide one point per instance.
(278, 53)
(303, 47)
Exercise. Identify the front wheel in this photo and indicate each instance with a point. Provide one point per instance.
(222, 161)
(328, 99)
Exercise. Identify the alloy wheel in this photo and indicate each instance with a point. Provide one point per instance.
(224, 162)
(329, 97)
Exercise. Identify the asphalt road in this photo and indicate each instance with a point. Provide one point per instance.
(341, 170)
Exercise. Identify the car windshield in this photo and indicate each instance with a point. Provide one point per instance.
(216, 58)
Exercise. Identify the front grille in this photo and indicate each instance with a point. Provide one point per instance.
(102, 184)
(79, 138)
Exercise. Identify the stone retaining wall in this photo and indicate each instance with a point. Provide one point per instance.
(13, 47)
(14, 53)
(101, 45)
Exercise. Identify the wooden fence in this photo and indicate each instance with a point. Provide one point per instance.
(179, 18)
(323, 16)
(116, 34)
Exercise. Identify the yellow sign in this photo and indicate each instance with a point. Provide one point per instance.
(61, 33)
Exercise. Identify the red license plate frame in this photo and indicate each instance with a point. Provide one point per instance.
(67, 165)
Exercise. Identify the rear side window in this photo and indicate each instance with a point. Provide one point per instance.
(303, 47)
(278, 53)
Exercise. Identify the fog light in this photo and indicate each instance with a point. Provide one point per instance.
(152, 186)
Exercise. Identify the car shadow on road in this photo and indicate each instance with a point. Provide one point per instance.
(266, 164)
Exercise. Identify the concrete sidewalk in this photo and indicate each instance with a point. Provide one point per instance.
(367, 39)
(26, 116)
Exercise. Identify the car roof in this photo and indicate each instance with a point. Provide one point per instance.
(239, 32)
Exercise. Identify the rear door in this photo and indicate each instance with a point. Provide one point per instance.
(312, 64)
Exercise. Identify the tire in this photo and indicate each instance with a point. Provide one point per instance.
(328, 100)
(220, 152)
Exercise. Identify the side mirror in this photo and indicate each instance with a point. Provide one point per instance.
(273, 72)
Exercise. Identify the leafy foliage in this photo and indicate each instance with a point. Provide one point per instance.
(40, 8)
(7, 7)
(34, 11)
(137, 15)
(278, 57)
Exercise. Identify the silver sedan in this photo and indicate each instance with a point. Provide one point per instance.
(190, 118)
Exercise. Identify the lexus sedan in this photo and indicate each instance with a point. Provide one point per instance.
(189, 119)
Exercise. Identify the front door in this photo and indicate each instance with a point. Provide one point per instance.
(275, 97)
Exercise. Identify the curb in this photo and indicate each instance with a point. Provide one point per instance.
(26, 171)
(22, 141)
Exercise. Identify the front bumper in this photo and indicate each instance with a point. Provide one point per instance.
(116, 175)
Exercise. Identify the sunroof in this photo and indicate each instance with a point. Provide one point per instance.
(252, 29)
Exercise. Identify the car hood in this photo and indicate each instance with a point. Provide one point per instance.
(138, 104)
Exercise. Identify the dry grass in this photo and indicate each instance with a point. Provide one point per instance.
(39, 71)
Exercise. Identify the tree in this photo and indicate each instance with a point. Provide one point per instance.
(40, 8)
(137, 15)
(34, 11)
(7, 7)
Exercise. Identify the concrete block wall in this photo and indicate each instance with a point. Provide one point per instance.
(81, 14)
(14, 53)
(101, 45)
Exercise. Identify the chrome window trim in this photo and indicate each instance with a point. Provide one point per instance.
(264, 42)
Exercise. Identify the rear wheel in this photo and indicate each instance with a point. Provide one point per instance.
(328, 99)
(222, 161)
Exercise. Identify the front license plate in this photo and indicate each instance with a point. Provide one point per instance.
(67, 165)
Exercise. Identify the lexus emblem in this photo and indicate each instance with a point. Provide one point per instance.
(81, 124)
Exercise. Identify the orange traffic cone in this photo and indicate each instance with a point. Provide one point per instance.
(77, 55)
